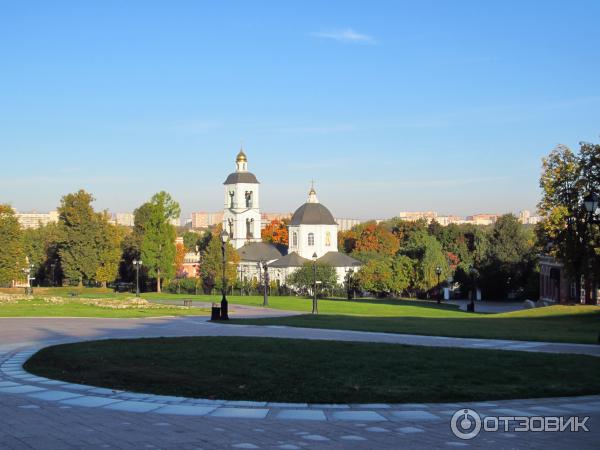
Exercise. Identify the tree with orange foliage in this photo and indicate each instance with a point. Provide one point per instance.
(374, 238)
(276, 232)
(179, 257)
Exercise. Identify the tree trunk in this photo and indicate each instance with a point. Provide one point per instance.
(80, 284)
(104, 284)
(158, 280)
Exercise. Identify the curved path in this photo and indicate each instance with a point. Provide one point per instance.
(41, 413)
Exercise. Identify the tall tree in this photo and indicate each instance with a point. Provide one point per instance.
(510, 259)
(12, 256)
(42, 247)
(565, 231)
(428, 255)
(109, 249)
(79, 230)
(211, 268)
(158, 244)
(376, 238)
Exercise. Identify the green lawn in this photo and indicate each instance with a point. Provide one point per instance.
(290, 370)
(578, 324)
(75, 308)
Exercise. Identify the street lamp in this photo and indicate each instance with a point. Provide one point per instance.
(590, 202)
(349, 288)
(224, 312)
(137, 263)
(315, 308)
(473, 273)
(266, 283)
(438, 272)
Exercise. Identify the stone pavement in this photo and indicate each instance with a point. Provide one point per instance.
(47, 414)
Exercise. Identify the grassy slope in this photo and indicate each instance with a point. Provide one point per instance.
(39, 308)
(578, 324)
(315, 371)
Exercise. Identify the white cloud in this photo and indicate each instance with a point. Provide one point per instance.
(347, 36)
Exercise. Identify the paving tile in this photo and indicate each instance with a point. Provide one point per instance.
(8, 383)
(582, 407)
(409, 430)
(241, 413)
(370, 416)
(133, 406)
(54, 395)
(301, 414)
(185, 410)
(245, 403)
(512, 412)
(315, 437)
(352, 437)
(414, 415)
(103, 391)
(245, 445)
(78, 387)
(287, 405)
(371, 406)
(21, 389)
(90, 401)
(328, 406)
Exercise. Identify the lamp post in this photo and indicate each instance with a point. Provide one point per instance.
(224, 312)
(315, 308)
(137, 263)
(266, 284)
(591, 202)
(438, 272)
(349, 288)
(473, 273)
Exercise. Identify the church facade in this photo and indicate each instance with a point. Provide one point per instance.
(312, 232)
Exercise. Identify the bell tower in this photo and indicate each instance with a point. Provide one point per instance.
(241, 214)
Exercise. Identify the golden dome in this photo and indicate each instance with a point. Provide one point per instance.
(241, 157)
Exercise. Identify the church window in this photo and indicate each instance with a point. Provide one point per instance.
(311, 239)
(328, 239)
(248, 199)
(295, 239)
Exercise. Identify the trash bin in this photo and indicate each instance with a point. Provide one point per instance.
(215, 312)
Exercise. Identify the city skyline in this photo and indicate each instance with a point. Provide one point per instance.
(418, 107)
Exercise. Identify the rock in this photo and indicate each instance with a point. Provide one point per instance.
(528, 304)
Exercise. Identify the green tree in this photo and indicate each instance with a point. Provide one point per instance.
(157, 248)
(510, 260)
(211, 268)
(42, 248)
(109, 250)
(427, 254)
(190, 240)
(302, 279)
(565, 232)
(165, 201)
(12, 256)
(79, 230)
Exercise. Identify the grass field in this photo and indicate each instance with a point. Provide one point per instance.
(576, 324)
(290, 370)
(75, 308)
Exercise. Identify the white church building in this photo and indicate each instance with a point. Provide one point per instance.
(312, 232)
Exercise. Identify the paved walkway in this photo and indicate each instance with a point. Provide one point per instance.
(39, 413)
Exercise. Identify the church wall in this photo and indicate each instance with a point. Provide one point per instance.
(321, 239)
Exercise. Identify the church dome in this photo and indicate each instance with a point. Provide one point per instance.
(312, 214)
(241, 156)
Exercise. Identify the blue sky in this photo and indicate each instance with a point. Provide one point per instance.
(388, 106)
